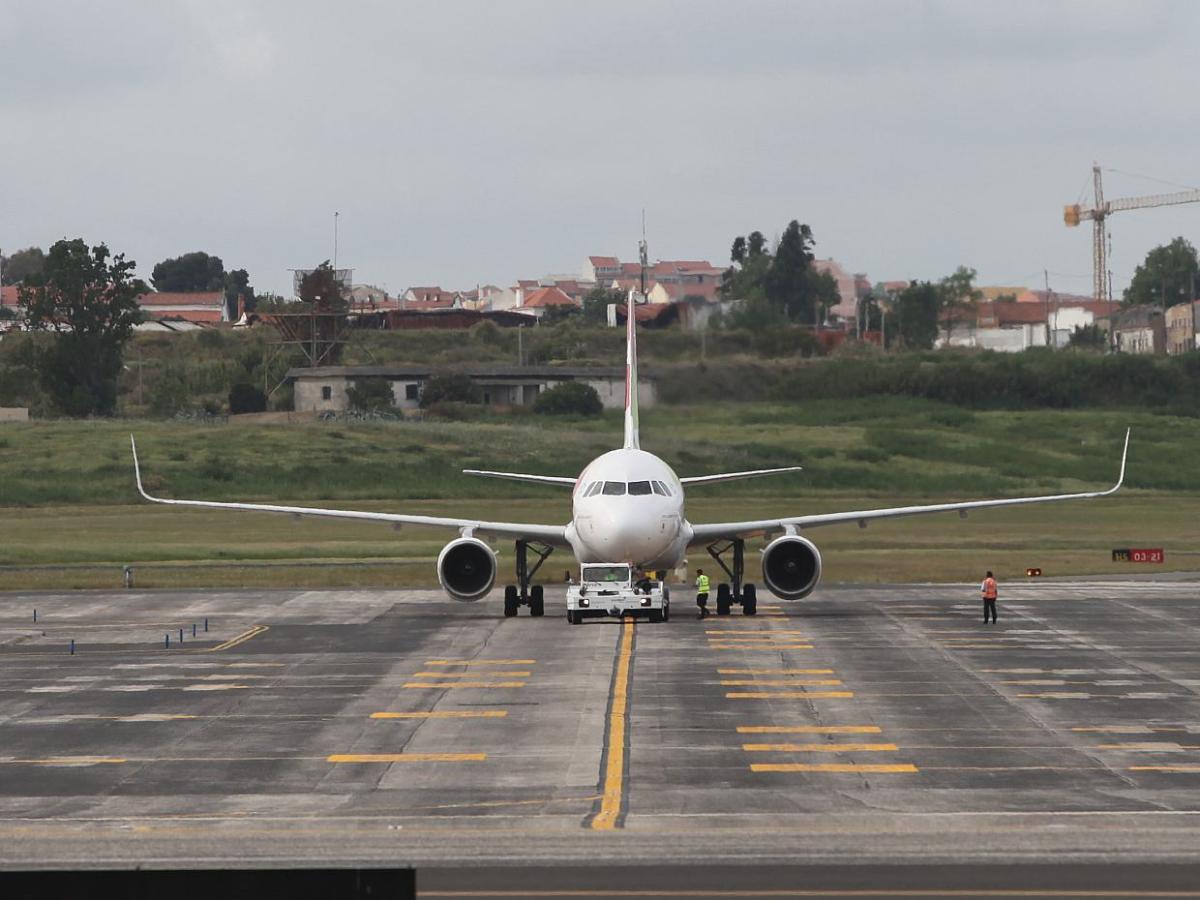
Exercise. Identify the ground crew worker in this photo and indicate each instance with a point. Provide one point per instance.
(702, 593)
(990, 592)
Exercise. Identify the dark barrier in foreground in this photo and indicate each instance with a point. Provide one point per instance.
(227, 884)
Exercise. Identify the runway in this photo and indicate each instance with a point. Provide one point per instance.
(882, 725)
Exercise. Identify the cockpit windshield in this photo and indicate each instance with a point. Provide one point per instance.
(639, 488)
(614, 488)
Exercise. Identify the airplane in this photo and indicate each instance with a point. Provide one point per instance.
(628, 507)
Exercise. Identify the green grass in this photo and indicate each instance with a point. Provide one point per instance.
(67, 497)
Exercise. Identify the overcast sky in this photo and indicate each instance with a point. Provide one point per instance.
(468, 142)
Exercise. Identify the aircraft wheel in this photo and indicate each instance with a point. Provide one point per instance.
(656, 615)
(511, 600)
(537, 603)
(749, 600)
(724, 600)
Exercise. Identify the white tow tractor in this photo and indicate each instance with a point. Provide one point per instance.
(609, 589)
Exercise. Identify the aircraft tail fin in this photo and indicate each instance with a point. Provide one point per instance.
(631, 378)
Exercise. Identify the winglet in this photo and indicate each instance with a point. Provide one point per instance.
(137, 471)
(1124, 456)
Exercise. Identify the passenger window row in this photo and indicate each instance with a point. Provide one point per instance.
(620, 488)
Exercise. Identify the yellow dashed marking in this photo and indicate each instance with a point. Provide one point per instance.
(454, 714)
(771, 647)
(465, 684)
(789, 682)
(480, 662)
(809, 729)
(67, 761)
(833, 767)
(763, 632)
(506, 674)
(785, 695)
(405, 757)
(774, 671)
(817, 748)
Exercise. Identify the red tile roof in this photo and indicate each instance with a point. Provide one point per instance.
(603, 262)
(550, 296)
(445, 301)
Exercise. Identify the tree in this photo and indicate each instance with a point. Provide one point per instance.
(237, 283)
(321, 288)
(16, 268)
(88, 298)
(756, 245)
(195, 271)
(917, 309)
(787, 282)
(596, 301)
(959, 295)
(370, 394)
(1089, 337)
(571, 398)
(738, 252)
(246, 398)
(449, 389)
(1168, 276)
(556, 315)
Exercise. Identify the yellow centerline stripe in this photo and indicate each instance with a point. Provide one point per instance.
(464, 684)
(833, 767)
(614, 774)
(67, 761)
(252, 631)
(405, 757)
(817, 748)
(455, 714)
(809, 729)
(784, 695)
(1164, 769)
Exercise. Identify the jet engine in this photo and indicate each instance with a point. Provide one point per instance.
(791, 567)
(466, 568)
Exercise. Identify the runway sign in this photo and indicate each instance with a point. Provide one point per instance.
(1152, 555)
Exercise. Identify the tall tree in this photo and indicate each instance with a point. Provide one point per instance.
(197, 271)
(237, 284)
(596, 301)
(959, 296)
(738, 252)
(787, 282)
(88, 299)
(16, 268)
(322, 288)
(1169, 275)
(916, 312)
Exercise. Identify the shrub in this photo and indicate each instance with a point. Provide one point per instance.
(449, 389)
(246, 398)
(370, 394)
(571, 398)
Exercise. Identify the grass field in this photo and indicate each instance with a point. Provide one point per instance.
(68, 519)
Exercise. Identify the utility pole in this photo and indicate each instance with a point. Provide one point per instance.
(335, 242)
(1046, 305)
(520, 345)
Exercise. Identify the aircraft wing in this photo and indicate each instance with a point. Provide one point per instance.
(736, 476)
(521, 476)
(549, 534)
(726, 530)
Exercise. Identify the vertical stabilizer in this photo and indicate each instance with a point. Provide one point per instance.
(631, 378)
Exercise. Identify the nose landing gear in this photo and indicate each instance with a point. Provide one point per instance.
(737, 592)
(522, 593)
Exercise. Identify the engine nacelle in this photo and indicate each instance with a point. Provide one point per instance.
(466, 568)
(791, 567)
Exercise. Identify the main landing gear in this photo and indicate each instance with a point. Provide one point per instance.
(521, 593)
(737, 592)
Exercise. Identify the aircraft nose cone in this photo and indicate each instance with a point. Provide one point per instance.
(625, 538)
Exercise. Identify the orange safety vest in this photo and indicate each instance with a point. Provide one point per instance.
(989, 589)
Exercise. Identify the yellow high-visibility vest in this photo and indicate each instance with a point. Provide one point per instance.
(702, 584)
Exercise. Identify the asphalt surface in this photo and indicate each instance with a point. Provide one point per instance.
(865, 725)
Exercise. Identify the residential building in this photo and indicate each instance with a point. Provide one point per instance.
(368, 297)
(536, 303)
(851, 288)
(429, 298)
(324, 388)
(600, 269)
(196, 307)
(1181, 328)
(1139, 329)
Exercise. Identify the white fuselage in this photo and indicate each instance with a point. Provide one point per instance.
(627, 507)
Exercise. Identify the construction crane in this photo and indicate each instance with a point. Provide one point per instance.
(1100, 210)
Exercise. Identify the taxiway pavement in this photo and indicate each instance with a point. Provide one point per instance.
(879, 724)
